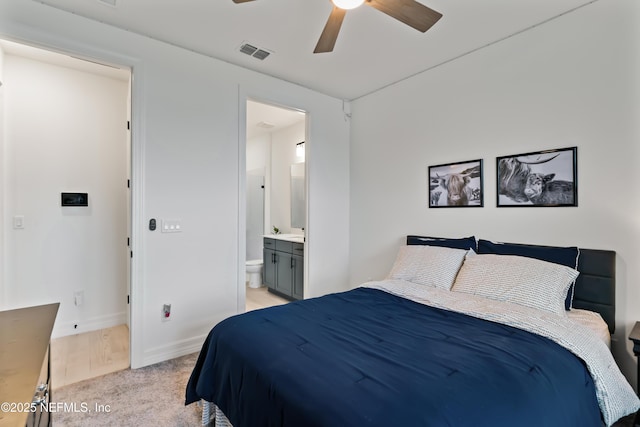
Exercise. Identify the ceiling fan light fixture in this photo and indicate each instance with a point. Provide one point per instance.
(347, 4)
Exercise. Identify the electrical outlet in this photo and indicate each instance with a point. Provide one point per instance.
(166, 312)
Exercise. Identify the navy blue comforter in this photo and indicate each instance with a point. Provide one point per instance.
(368, 358)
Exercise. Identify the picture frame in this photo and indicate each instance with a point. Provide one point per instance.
(456, 185)
(546, 178)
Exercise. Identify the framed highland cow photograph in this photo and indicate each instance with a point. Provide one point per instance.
(543, 178)
(456, 185)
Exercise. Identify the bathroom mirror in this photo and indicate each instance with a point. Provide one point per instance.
(297, 196)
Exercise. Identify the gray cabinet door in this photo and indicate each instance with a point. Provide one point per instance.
(298, 276)
(284, 275)
(269, 268)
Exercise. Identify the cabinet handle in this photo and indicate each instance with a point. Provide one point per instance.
(293, 262)
(40, 398)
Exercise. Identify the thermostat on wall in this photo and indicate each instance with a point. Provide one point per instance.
(75, 199)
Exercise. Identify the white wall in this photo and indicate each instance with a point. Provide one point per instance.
(259, 152)
(66, 132)
(283, 155)
(188, 163)
(2, 179)
(569, 82)
(259, 159)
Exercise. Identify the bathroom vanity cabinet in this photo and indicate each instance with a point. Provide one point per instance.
(284, 267)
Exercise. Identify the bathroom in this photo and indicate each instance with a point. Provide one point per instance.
(275, 156)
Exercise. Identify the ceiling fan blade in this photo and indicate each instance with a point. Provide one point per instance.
(241, 1)
(410, 12)
(331, 29)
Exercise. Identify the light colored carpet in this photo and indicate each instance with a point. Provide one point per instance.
(149, 396)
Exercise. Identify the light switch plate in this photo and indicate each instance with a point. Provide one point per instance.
(171, 226)
(18, 222)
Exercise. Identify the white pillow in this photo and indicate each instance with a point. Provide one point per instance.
(428, 265)
(521, 280)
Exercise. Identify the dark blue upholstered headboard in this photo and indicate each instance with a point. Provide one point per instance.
(595, 287)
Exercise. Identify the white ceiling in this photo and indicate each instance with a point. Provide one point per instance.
(372, 51)
(263, 118)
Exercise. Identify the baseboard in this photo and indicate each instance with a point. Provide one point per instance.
(63, 329)
(172, 350)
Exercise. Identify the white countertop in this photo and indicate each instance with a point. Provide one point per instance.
(298, 238)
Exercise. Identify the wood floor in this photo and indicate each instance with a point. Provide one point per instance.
(82, 356)
(260, 298)
(91, 354)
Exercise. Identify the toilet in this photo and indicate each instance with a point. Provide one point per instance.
(254, 273)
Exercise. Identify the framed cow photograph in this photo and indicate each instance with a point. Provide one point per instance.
(456, 185)
(543, 178)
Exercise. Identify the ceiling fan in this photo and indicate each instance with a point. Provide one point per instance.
(410, 12)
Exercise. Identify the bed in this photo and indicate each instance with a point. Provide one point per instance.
(449, 338)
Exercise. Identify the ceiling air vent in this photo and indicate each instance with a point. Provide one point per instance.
(254, 51)
(265, 125)
(261, 54)
(248, 49)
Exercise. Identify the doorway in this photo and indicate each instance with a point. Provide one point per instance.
(68, 121)
(275, 139)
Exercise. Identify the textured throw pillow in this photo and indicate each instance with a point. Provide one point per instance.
(525, 281)
(462, 243)
(428, 265)
(559, 255)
